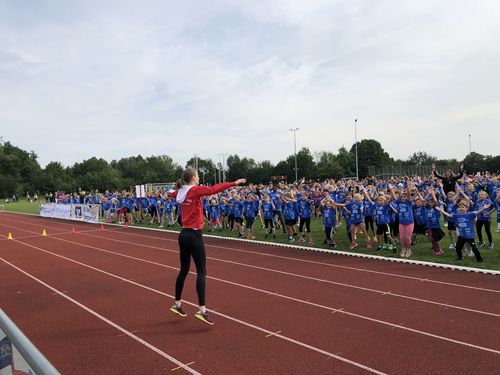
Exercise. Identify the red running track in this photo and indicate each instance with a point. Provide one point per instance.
(97, 302)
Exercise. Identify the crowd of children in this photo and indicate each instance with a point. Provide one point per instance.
(385, 214)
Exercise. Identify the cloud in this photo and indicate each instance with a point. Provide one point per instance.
(85, 78)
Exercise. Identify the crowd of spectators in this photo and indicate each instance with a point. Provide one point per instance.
(387, 214)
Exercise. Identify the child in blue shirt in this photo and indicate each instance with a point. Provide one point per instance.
(249, 213)
(465, 224)
(329, 214)
(484, 219)
(382, 218)
(214, 214)
(267, 208)
(356, 209)
(305, 212)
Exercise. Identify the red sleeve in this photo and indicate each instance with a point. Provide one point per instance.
(200, 191)
(173, 194)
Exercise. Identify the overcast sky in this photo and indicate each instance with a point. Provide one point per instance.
(118, 78)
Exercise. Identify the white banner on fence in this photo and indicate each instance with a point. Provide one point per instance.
(81, 212)
(85, 212)
(54, 210)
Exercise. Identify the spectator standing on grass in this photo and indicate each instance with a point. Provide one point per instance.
(465, 223)
(189, 195)
(404, 209)
(449, 179)
(484, 219)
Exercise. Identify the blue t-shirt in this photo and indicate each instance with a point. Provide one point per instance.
(433, 218)
(214, 211)
(356, 209)
(367, 208)
(169, 206)
(382, 213)
(329, 217)
(465, 224)
(289, 211)
(237, 209)
(452, 209)
(420, 214)
(483, 215)
(276, 200)
(305, 208)
(405, 211)
(267, 209)
(248, 209)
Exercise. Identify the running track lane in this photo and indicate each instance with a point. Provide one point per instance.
(229, 349)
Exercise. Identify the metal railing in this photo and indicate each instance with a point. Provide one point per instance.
(38, 363)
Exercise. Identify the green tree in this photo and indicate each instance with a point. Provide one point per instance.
(328, 166)
(421, 158)
(347, 161)
(370, 153)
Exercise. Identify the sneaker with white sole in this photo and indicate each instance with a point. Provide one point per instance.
(203, 316)
(491, 246)
(178, 310)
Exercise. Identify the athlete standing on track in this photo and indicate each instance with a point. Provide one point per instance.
(189, 196)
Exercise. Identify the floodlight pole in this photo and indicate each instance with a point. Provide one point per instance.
(356, 146)
(470, 145)
(294, 130)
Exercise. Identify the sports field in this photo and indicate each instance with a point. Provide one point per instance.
(421, 251)
(96, 301)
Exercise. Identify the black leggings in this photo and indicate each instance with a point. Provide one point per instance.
(191, 245)
(307, 223)
(461, 241)
(369, 223)
(487, 228)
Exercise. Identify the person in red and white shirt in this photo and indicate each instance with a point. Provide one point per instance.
(189, 195)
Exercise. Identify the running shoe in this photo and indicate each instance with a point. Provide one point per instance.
(369, 245)
(301, 241)
(491, 246)
(333, 245)
(178, 310)
(438, 252)
(480, 244)
(203, 316)
(353, 245)
(403, 253)
(310, 243)
(452, 246)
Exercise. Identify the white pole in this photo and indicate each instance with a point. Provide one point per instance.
(356, 145)
(295, 151)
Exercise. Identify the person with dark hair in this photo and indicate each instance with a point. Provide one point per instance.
(449, 179)
(189, 196)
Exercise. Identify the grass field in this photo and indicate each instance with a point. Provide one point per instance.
(421, 251)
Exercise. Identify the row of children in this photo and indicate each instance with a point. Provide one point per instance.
(382, 212)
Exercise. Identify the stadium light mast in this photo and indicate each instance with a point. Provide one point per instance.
(294, 130)
(224, 155)
(356, 146)
(470, 145)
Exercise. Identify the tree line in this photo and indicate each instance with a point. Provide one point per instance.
(20, 171)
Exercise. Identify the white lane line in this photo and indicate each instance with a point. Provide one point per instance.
(341, 310)
(441, 265)
(324, 264)
(106, 320)
(236, 320)
(441, 304)
(404, 296)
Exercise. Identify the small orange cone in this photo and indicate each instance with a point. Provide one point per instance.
(44, 233)
(9, 237)
(73, 230)
(102, 227)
